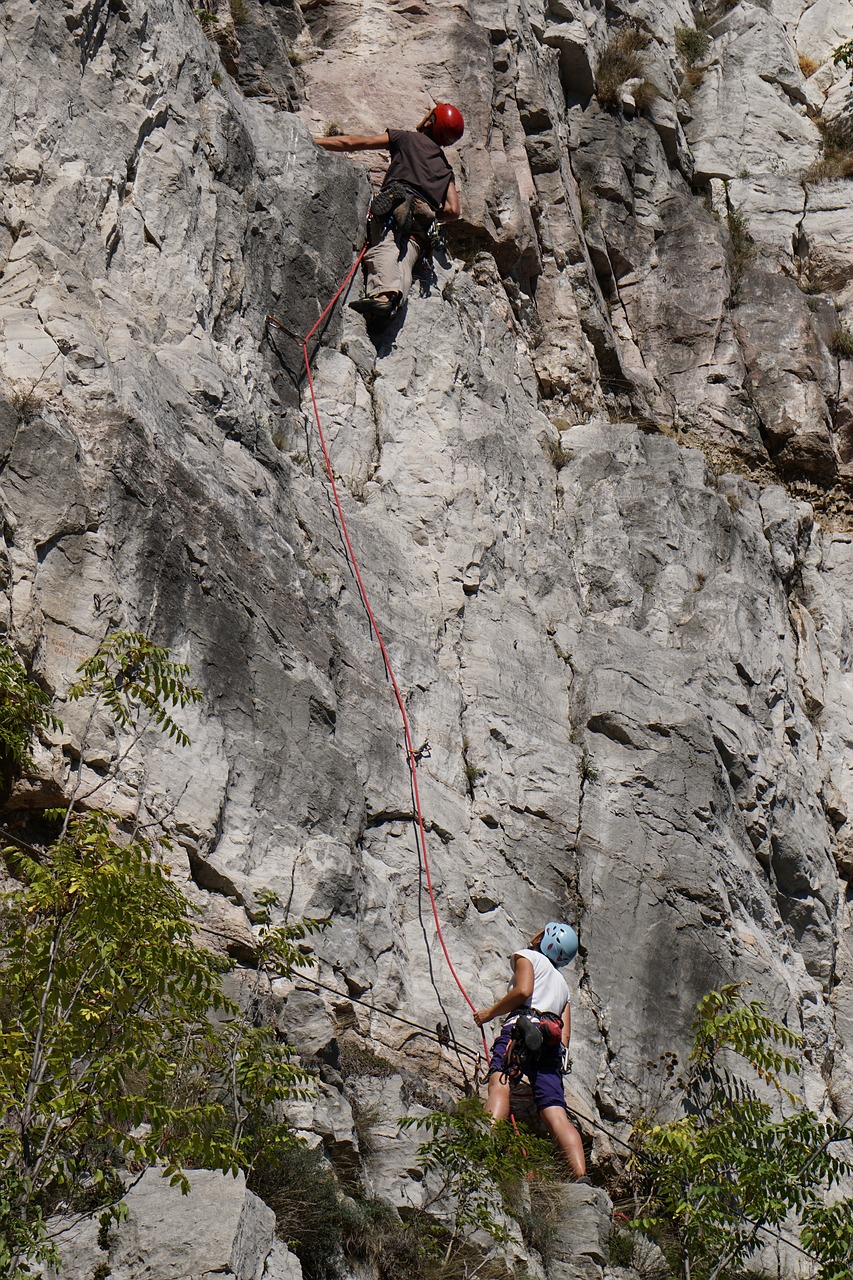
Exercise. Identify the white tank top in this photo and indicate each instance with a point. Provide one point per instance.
(550, 990)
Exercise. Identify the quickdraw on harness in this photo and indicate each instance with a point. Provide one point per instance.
(531, 1033)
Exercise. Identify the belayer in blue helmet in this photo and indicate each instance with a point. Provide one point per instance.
(534, 1039)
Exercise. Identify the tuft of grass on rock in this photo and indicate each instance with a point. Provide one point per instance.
(241, 14)
(588, 768)
(808, 66)
(559, 455)
(836, 159)
(693, 77)
(842, 343)
(357, 1059)
(27, 404)
(645, 94)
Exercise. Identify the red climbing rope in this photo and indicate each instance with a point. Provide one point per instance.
(411, 755)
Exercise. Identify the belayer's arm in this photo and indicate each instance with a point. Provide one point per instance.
(354, 142)
(518, 994)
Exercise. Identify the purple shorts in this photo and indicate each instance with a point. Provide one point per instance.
(546, 1081)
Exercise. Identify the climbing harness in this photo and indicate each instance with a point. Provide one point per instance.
(531, 1032)
(405, 208)
(522, 1053)
(412, 755)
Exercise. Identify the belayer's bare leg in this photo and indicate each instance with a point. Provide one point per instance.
(566, 1136)
(497, 1103)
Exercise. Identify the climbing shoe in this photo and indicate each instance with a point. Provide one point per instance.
(522, 1052)
(529, 1034)
(385, 202)
(378, 308)
(405, 207)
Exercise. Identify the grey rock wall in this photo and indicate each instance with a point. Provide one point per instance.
(218, 1229)
(574, 473)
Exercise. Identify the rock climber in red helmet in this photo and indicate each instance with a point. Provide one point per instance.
(418, 188)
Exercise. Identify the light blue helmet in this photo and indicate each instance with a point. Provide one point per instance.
(559, 943)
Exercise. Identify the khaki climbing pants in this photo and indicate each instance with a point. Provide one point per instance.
(390, 262)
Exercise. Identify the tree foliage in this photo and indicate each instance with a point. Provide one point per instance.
(745, 1154)
(24, 710)
(120, 1049)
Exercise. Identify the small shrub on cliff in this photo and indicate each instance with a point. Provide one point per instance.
(734, 1163)
(375, 1233)
(357, 1059)
(27, 403)
(742, 246)
(309, 1209)
(621, 60)
(844, 54)
(691, 44)
(24, 710)
(207, 21)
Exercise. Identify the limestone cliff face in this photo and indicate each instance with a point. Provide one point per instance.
(575, 472)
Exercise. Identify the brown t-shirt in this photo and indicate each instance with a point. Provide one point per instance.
(418, 160)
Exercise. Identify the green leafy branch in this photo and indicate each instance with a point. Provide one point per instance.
(120, 1048)
(130, 674)
(480, 1163)
(117, 1035)
(281, 946)
(724, 1021)
(844, 54)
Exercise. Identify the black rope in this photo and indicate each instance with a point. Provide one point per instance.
(447, 1020)
(427, 1031)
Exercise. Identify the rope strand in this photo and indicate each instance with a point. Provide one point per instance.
(411, 755)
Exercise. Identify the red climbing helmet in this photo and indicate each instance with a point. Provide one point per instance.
(445, 124)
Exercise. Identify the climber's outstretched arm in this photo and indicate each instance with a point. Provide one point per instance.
(354, 142)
